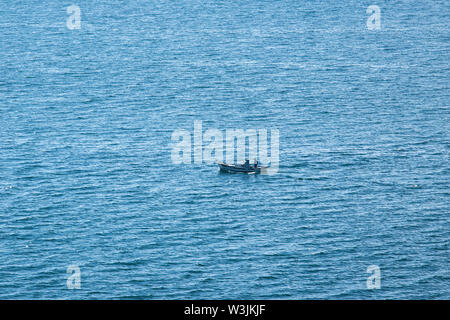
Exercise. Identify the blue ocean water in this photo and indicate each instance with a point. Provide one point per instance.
(86, 118)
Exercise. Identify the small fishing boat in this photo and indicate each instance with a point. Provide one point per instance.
(246, 167)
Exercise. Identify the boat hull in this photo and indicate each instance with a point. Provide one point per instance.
(238, 169)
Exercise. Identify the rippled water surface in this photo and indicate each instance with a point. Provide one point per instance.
(86, 177)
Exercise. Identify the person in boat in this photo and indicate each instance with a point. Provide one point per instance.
(256, 163)
(247, 164)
